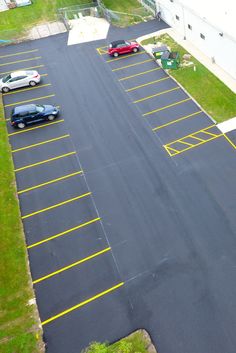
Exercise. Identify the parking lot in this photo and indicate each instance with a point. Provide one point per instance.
(123, 200)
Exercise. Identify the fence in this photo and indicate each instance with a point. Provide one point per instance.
(150, 5)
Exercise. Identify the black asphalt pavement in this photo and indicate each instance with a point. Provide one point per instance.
(127, 200)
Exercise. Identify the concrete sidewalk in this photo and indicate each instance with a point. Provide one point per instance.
(194, 51)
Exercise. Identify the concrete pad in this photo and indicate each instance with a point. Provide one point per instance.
(228, 125)
(87, 29)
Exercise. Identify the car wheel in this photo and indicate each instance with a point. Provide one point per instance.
(32, 83)
(116, 54)
(21, 125)
(135, 50)
(51, 117)
(5, 89)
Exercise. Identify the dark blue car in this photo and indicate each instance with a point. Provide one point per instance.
(24, 115)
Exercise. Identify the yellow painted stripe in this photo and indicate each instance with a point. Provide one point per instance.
(27, 89)
(43, 75)
(50, 182)
(45, 161)
(166, 106)
(147, 84)
(40, 143)
(36, 127)
(99, 295)
(82, 225)
(71, 265)
(126, 56)
(18, 53)
(139, 74)
(196, 132)
(156, 95)
(131, 65)
(57, 205)
(228, 139)
(176, 121)
(24, 69)
(20, 61)
(30, 100)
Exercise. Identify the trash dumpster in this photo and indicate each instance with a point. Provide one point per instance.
(158, 51)
(170, 60)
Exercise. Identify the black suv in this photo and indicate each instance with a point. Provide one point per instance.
(28, 114)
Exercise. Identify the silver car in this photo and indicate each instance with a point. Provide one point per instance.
(19, 79)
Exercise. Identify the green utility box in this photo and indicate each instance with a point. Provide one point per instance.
(170, 60)
(158, 51)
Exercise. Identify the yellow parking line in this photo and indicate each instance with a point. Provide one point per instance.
(20, 61)
(27, 89)
(42, 75)
(30, 100)
(196, 132)
(196, 138)
(176, 121)
(125, 56)
(36, 127)
(24, 69)
(50, 182)
(56, 205)
(101, 294)
(19, 53)
(139, 74)
(40, 143)
(71, 265)
(147, 84)
(166, 106)
(127, 66)
(156, 95)
(228, 139)
(63, 233)
(45, 161)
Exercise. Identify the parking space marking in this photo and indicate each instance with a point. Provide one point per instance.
(72, 265)
(139, 74)
(42, 75)
(30, 100)
(40, 143)
(56, 205)
(101, 294)
(166, 106)
(25, 68)
(45, 161)
(67, 176)
(19, 53)
(36, 127)
(125, 56)
(27, 89)
(176, 120)
(147, 84)
(131, 65)
(172, 150)
(102, 50)
(63, 233)
(228, 139)
(20, 61)
(156, 95)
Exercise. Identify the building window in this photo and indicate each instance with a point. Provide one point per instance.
(190, 27)
(202, 36)
(177, 17)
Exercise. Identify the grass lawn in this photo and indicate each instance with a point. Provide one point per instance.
(129, 6)
(211, 93)
(13, 23)
(19, 331)
(137, 342)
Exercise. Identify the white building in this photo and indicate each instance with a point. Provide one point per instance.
(209, 25)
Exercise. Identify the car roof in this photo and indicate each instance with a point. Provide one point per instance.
(116, 42)
(18, 73)
(23, 108)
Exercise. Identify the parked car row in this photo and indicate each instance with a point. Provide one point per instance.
(24, 115)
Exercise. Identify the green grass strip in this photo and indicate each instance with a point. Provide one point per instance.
(19, 331)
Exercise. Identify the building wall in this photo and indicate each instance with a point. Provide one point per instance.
(217, 45)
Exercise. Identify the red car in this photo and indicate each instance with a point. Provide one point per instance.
(122, 47)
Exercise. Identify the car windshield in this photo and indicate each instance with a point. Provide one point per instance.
(40, 108)
(6, 78)
(127, 43)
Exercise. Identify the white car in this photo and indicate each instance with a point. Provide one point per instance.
(19, 79)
